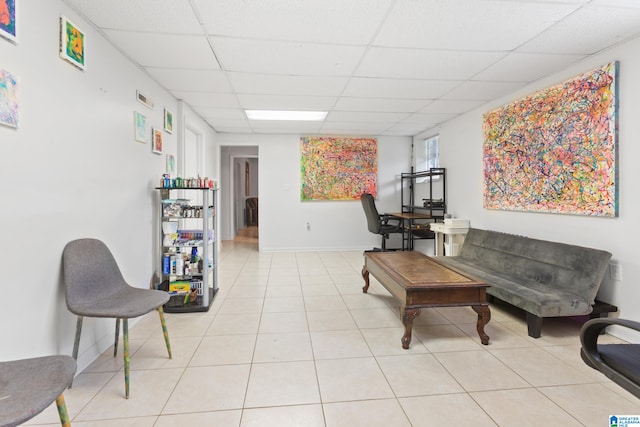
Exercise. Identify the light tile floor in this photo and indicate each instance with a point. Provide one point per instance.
(291, 340)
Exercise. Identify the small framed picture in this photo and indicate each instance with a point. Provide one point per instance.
(156, 138)
(8, 99)
(72, 43)
(8, 26)
(140, 127)
(168, 121)
(171, 164)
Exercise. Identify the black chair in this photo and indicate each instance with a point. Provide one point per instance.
(379, 224)
(619, 362)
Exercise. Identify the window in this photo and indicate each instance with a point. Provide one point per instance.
(427, 155)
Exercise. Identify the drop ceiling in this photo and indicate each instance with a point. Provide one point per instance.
(379, 67)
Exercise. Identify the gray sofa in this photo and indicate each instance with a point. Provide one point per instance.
(545, 279)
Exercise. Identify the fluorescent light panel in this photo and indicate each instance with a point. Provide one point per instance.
(311, 116)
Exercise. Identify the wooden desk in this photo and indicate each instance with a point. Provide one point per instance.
(418, 281)
(409, 226)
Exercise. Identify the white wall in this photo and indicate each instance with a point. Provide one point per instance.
(616, 235)
(334, 225)
(71, 170)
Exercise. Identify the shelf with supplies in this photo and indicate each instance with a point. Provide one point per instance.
(188, 248)
(432, 209)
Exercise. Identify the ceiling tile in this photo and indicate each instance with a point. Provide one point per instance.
(482, 91)
(165, 50)
(380, 104)
(288, 58)
(331, 126)
(286, 85)
(398, 88)
(443, 106)
(427, 118)
(589, 30)
(190, 80)
(164, 16)
(286, 102)
(207, 99)
(526, 67)
(467, 24)
(354, 116)
(213, 114)
(424, 64)
(327, 21)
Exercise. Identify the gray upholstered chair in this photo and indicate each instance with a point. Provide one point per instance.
(376, 223)
(619, 362)
(29, 386)
(94, 287)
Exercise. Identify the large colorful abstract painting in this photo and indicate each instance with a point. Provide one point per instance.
(8, 20)
(338, 168)
(555, 151)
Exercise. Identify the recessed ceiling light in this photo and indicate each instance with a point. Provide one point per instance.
(315, 116)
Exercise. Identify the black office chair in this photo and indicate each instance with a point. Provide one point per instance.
(379, 224)
(619, 362)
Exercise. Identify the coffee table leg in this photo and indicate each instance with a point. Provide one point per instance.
(484, 315)
(365, 276)
(408, 314)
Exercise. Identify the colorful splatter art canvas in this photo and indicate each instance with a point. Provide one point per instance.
(72, 43)
(8, 20)
(555, 151)
(338, 168)
(8, 99)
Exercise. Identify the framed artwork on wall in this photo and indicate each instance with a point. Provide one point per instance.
(140, 127)
(8, 26)
(72, 43)
(168, 121)
(8, 99)
(338, 168)
(156, 138)
(555, 151)
(171, 165)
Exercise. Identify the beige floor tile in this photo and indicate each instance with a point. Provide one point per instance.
(539, 368)
(388, 342)
(283, 305)
(570, 354)
(188, 324)
(446, 409)
(280, 280)
(376, 318)
(444, 338)
(241, 306)
(224, 350)
(271, 323)
(247, 291)
(480, 370)
(522, 407)
(326, 289)
(458, 314)
(591, 404)
(368, 300)
(417, 375)
(216, 418)
(339, 344)
(107, 362)
(283, 347)
(499, 335)
(282, 416)
(230, 324)
(430, 316)
(118, 422)
(324, 303)
(285, 383)
(351, 379)
(370, 413)
(85, 387)
(330, 320)
(314, 278)
(149, 392)
(209, 388)
(153, 354)
(283, 291)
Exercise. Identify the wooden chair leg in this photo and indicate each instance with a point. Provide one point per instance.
(164, 331)
(127, 358)
(115, 343)
(65, 421)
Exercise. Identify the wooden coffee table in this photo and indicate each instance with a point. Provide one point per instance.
(419, 281)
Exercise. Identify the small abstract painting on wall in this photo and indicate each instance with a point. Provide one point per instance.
(72, 43)
(140, 127)
(8, 20)
(555, 151)
(8, 99)
(337, 168)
